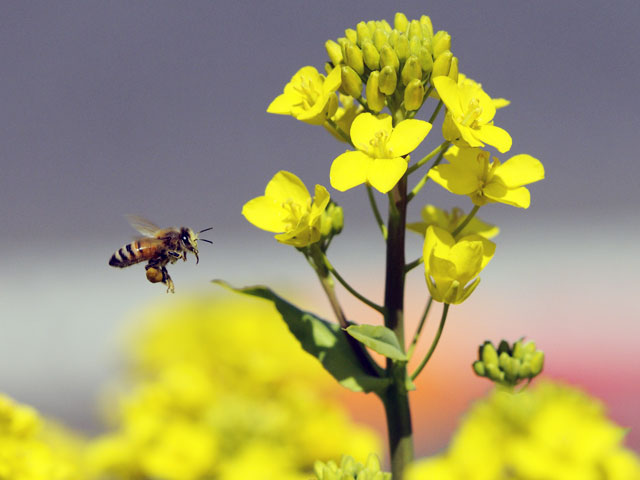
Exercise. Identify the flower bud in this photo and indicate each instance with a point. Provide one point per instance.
(370, 55)
(363, 33)
(453, 70)
(413, 95)
(337, 218)
(353, 58)
(380, 38)
(389, 58)
(509, 365)
(334, 51)
(426, 60)
(415, 30)
(400, 22)
(415, 44)
(351, 82)
(442, 65)
(537, 362)
(427, 27)
(388, 80)
(351, 35)
(488, 354)
(411, 70)
(441, 43)
(402, 48)
(479, 368)
(393, 37)
(375, 98)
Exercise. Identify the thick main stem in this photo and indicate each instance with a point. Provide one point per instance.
(395, 398)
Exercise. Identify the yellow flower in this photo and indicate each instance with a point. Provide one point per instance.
(497, 102)
(471, 172)
(309, 96)
(344, 116)
(380, 159)
(450, 265)
(551, 431)
(449, 221)
(287, 207)
(469, 118)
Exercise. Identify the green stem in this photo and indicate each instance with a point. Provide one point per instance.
(410, 266)
(434, 344)
(376, 212)
(395, 398)
(424, 179)
(466, 221)
(416, 337)
(435, 112)
(340, 132)
(424, 160)
(351, 290)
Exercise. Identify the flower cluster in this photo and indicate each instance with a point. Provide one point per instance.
(550, 431)
(509, 365)
(349, 469)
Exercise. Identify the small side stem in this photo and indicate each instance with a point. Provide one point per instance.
(424, 179)
(339, 131)
(423, 320)
(435, 112)
(434, 344)
(376, 212)
(466, 221)
(443, 146)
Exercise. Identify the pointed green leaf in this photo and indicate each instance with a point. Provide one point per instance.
(379, 339)
(324, 340)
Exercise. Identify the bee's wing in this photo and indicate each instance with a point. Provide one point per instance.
(142, 225)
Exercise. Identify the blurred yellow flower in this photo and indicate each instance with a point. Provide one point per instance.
(309, 96)
(223, 390)
(449, 221)
(550, 432)
(287, 207)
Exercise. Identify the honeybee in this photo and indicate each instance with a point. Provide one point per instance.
(159, 247)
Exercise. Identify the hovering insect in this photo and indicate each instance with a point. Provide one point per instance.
(159, 247)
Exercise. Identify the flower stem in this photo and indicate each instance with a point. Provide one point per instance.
(410, 266)
(424, 179)
(351, 290)
(466, 221)
(340, 132)
(424, 160)
(416, 337)
(435, 112)
(434, 344)
(376, 212)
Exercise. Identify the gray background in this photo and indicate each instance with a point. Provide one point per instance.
(158, 108)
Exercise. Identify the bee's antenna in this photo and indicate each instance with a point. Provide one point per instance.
(205, 240)
(206, 230)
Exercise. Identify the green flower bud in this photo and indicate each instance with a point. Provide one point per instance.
(453, 70)
(402, 48)
(537, 362)
(413, 95)
(371, 25)
(375, 98)
(351, 82)
(426, 61)
(363, 33)
(351, 35)
(529, 347)
(427, 27)
(393, 37)
(478, 367)
(411, 70)
(385, 26)
(353, 58)
(441, 43)
(494, 373)
(389, 58)
(373, 463)
(512, 369)
(415, 30)
(380, 38)
(488, 354)
(387, 80)
(347, 464)
(334, 51)
(415, 44)
(525, 370)
(400, 22)
(370, 55)
(503, 360)
(442, 65)
(503, 346)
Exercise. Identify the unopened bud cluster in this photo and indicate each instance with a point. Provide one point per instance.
(392, 64)
(349, 469)
(332, 220)
(509, 365)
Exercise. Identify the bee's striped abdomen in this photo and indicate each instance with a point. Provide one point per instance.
(130, 254)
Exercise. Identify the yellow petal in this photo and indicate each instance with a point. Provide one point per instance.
(517, 197)
(449, 93)
(520, 170)
(333, 80)
(495, 136)
(281, 104)
(407, 135)
(456, 180)
(349, 170)
(287, 187)
(365, 126)
(265, 213)
(384, 173)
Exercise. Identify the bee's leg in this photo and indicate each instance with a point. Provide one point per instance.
(174, 256)
(166, 279)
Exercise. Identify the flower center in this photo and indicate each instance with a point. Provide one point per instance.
(308, 91)
(294, 212)
(474, 110)
(377, 147)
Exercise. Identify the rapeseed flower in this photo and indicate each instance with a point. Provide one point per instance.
(470, 171)
(550, 431)
(309, 96)
(287, 207)
(380, 159)
(450, 265)
(449, 221)
(469, 118)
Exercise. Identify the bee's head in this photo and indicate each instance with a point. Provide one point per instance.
(189, 240)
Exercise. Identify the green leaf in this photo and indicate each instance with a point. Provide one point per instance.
(379, 339)
(324, 340)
